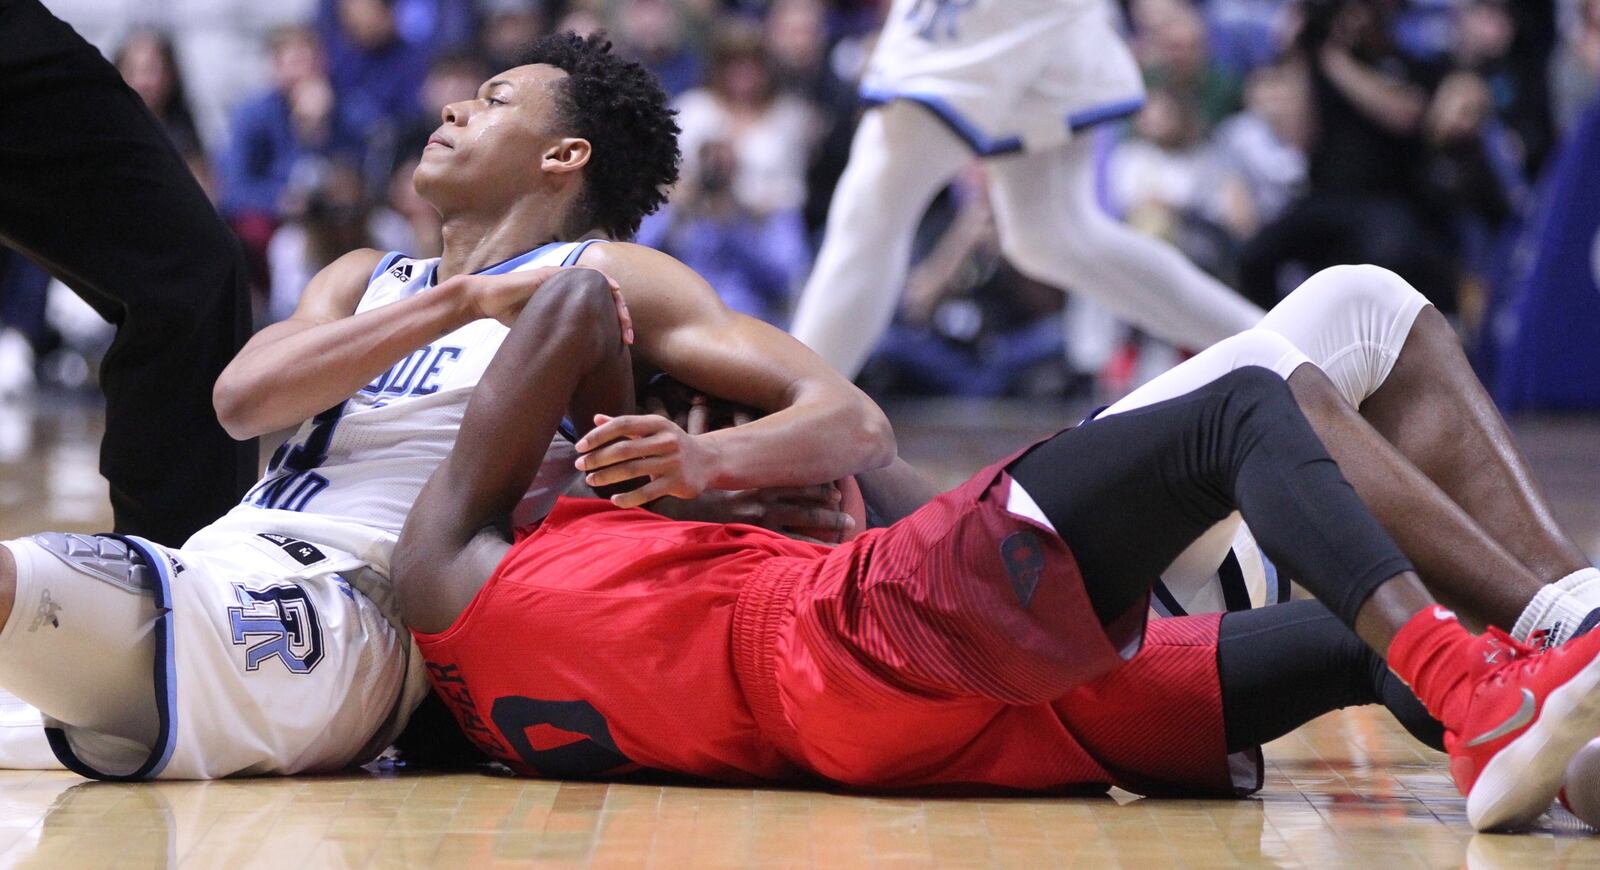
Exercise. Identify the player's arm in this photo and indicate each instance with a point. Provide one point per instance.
(565, 352)
(817, 427)
(325, 352)
(894, 491)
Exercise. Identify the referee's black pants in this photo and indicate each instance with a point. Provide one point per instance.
(91, 189)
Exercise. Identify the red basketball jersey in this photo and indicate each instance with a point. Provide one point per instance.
(593, 651)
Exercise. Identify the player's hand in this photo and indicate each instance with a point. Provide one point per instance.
(646, 446)
(502, 297)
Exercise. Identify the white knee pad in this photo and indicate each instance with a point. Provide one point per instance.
(1253, 347)
(1351, 322)
(79, 644)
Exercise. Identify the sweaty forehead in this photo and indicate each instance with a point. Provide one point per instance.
(534, 75)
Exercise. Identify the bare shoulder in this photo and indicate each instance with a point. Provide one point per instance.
(337, 289)
(650, 278)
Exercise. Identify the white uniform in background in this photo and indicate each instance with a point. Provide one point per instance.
(1006, 74)
(1016, 82)
(269, 642)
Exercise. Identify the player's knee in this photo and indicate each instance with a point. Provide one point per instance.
(1035, 252)
(1255, 386)
(1260, 347)
(1363, 288)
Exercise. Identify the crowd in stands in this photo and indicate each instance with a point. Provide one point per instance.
(1278, 136)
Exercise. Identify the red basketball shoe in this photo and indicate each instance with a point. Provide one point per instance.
(1527, 716)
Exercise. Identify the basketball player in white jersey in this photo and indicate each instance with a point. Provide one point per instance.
(267, 643)
(1016, 82)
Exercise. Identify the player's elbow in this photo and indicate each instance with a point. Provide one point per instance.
(238, 414)
(245, 404)
(873, 434)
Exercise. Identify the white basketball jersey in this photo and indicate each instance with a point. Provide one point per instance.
(932, 36)
(349, 476)
(1006, 75)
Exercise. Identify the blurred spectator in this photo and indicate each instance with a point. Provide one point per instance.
(581, 20)
(1492, 42)
(508, 27)
(1264, 147)
(148, 65)
(770, 132)
(436, 26)
(286, 132)
(376, 74)
(1244, 33)
(331, 219)
(796, 41)
(1575, 70)
(1168, 164)
(970, 324)
(1168, 182)
(1366, 162)
(1472, 183)
(753, 260)
(652, 32)
(1172, 49)
(24, 333)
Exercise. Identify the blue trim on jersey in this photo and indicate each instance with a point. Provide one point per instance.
(969, 132)
(577, 252)
(388, 260)
(503, 266)
(1100, 114)
(566, 430)
(166, 684)
(512, 264)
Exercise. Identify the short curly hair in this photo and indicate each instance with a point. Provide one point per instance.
(621, 109)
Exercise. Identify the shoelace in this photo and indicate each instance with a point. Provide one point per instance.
(1517, 656)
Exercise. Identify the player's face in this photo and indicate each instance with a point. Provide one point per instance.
(490, 147)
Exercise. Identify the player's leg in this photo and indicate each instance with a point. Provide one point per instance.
(901, 157)
(78, 639)
(565, 350)
(1393, 356)
(1128, 492)
(1053, 229)
(1189, 714)
(1444, 542)
(1284, 665)
(95, 192)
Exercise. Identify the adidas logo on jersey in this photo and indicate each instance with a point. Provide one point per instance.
(402, 271)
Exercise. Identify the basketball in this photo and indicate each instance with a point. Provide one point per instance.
(1582, 793)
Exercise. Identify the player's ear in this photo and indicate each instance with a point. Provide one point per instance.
(566, 155)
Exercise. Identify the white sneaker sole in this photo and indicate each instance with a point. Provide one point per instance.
(1521, 780)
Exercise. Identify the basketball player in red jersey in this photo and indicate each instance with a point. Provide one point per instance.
(961, 645)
